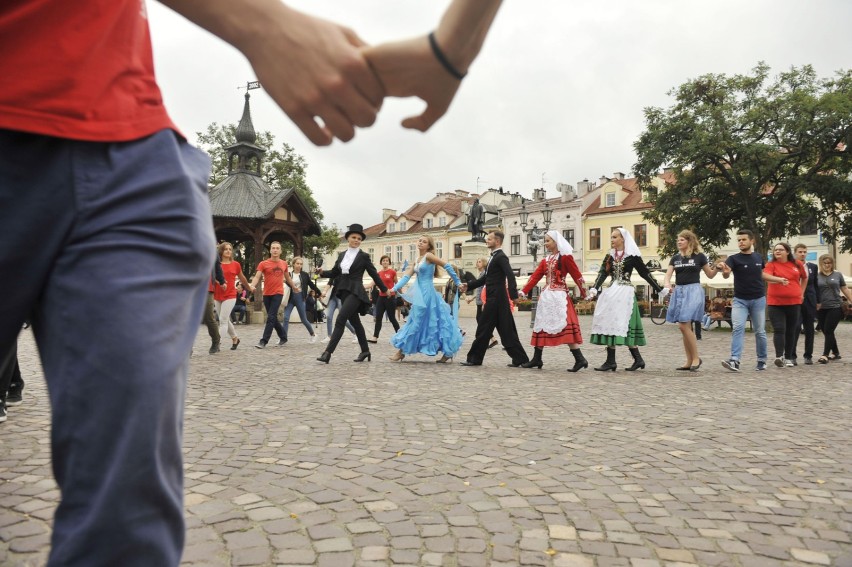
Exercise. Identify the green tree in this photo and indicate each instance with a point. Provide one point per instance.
(281, 169)
(752, 152)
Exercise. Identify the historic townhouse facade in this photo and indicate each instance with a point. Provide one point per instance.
(443, 217)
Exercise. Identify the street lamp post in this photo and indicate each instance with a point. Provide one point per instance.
(535, 235)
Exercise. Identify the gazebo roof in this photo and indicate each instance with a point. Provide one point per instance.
(247, 196)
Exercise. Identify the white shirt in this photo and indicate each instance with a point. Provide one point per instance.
(348, 258)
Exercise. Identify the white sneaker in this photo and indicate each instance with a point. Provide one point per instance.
(313, 338)
(788, 363)
(779, 362)
(326, 339)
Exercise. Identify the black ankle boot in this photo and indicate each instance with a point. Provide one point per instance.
(638, 363)
(325, 356)
(536, 360)
(610, 361)
(363, 356)
(580, 361)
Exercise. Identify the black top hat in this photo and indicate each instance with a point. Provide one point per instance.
(355, 229)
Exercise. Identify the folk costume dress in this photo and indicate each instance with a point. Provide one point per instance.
(617, 320)
(430, 327)
(555, 317)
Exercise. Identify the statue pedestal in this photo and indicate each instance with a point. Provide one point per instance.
(471, 252)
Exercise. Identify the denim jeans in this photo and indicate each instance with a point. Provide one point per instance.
(133, 217)
(298, 302)
(742, 309)
(272, 303)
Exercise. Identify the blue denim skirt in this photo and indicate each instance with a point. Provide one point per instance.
(686, 304)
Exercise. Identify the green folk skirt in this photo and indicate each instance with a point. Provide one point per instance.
(635, 333)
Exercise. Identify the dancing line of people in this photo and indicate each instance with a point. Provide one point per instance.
(793, 293)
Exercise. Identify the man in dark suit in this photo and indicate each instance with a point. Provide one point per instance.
(807, 314)
(496, 313)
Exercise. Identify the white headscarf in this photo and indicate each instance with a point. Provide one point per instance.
(562, 245)
(630, 248)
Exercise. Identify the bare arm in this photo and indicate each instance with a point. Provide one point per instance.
(410, 68)
(311, 67)
(667, 281)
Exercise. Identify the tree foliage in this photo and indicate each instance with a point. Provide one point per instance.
(281, 169)
(752, 152)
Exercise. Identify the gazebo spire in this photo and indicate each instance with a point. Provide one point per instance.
(245, 156)
(245, 130)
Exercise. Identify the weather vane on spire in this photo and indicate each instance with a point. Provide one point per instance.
(250, 86)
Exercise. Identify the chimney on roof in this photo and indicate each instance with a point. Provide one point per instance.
(602, 180)
(585, 186)
(387, 213)
(539, 195)
(618, 175)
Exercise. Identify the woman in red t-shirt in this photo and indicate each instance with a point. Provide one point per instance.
(385, 303)
(224, 299)
(787, 279)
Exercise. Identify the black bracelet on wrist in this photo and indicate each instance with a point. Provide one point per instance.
(442, 59)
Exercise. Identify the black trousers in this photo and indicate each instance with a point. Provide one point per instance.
(350, 310)
(498, 317)
(807, 316)
(384, 305)
(8, 368)
(784, 319)
(828, 321)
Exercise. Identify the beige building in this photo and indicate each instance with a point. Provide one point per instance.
(619, 203)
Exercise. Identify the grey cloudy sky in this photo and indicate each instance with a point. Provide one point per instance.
(558, 91)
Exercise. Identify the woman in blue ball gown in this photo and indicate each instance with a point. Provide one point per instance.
(431, 327)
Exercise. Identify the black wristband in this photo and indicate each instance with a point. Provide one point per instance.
(442, 59)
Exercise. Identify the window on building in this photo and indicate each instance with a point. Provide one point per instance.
(457, 250)
(610, 199)
(403, 226)
(399, 253)
(439, 249)
(392, 227)
(569, 236)
(640, 234)
(429, 223)
(412, 252)
(388, 250)
(594, 239)
(515, 246)
(442, 221)
(371, 253)
(809, 225)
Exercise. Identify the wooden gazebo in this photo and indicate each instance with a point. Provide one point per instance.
(247, 210)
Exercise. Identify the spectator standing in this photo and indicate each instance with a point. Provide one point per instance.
(807, 314)
(217, 280)
(749, 299)
(479, 298)
(832, 286)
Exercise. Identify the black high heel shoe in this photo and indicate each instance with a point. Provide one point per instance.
(324, 357)
(364, 356)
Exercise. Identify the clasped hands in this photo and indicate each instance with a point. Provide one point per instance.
(329, 81)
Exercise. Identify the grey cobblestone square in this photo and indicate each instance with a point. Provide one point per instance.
(415, 463)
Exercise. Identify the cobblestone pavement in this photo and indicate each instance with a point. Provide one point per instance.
(292, 462)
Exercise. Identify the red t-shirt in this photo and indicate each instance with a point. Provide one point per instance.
(231, 272)
(790, 294)
(388, 278)
(79, 70)
(273, 276)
